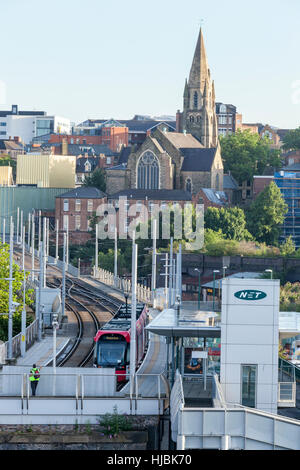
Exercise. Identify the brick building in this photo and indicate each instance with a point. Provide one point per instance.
(73, 210)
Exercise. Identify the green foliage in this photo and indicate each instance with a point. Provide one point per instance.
(17, 293)
(96, 180)
(288, 247)
(113, 423)
(246, 154)
(291, 140)
(231, 221)
(290, 297)
(266, 215)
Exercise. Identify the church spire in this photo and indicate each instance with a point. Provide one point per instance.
(199, 71)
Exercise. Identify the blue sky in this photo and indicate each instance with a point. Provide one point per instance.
(82, 59)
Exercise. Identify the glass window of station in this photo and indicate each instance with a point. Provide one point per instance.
(193, 364)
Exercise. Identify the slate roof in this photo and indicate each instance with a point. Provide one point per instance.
(229, 182)
(136, 125)
(181, 140)
(80, 163)
(197, 159)
(217, 197)
(124, 154)
(84, 193)
(154, 194)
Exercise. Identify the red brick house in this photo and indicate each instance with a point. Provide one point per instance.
(73, 210)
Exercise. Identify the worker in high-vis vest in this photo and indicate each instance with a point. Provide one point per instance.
(34, 378)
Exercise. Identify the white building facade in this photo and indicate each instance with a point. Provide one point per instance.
(249, 344)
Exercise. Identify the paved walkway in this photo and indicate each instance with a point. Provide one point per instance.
(41, 352)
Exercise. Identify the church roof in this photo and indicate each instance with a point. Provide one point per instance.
(182, 140)
(198, 159)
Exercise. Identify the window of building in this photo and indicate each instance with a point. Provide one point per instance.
(90, 205)
(222, 119)
(77, 222)
(191, 118)
(2, 133)
(195, 100)
(108, 160)
(148, 172)
(2, 123)
(249, 379)
(222, 131)
(188, 185)
(87, 167)
(223, 108)
(77, 205)
(66, 205)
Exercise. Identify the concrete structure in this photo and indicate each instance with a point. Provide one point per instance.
(249, 342)
(6, 176)
(30, 124)
(46, 170)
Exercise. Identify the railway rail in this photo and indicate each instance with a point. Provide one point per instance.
(78, 295)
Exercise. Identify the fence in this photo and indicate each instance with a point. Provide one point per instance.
(31, 335)
(143, 294)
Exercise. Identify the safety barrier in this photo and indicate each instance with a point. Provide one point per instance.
(286, 394)
(143, 293)
(30, 335)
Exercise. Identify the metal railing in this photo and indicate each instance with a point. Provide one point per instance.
(81, 386)
(286, 394)
(30, 337)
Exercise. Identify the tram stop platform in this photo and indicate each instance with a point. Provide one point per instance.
(41, 352)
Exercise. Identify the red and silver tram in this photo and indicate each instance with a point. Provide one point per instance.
(112, 348)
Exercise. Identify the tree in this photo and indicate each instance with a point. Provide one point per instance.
(266, 215)
(96, 180)
(17, 293)
(231, 221)
(291, 140)
(288, 247)
(246, 154)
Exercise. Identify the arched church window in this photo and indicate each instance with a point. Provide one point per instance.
(217, 182)
(195, 100)
(188, 185)
(198, 118)
(223, 108)
(191, 118)
(148, 172)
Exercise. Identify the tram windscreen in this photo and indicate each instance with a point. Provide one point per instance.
(111, 354)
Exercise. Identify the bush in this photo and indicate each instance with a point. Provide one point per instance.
(112, 423)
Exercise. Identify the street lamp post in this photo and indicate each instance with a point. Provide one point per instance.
(214, 277)
(199, 286)
(269, 271)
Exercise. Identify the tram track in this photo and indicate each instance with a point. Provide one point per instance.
(88, 322)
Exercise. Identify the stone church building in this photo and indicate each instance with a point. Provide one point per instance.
(188, 159)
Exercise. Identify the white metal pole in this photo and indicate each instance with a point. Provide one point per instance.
(133, 319)
(32, 247)
(171, 273)
(56, 246)
(116, 258)
(96, 252)
(43, 254)
(63, 294)
(153, 278)
(47, 238)
(40, 228)
(67, 245)
(41, 285)
(3, 238)
(18, 216)
(166, 281)
(29, 232)
(21, 227)
(23, 318)
(10, 295)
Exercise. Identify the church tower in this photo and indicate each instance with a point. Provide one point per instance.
(199, 109)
